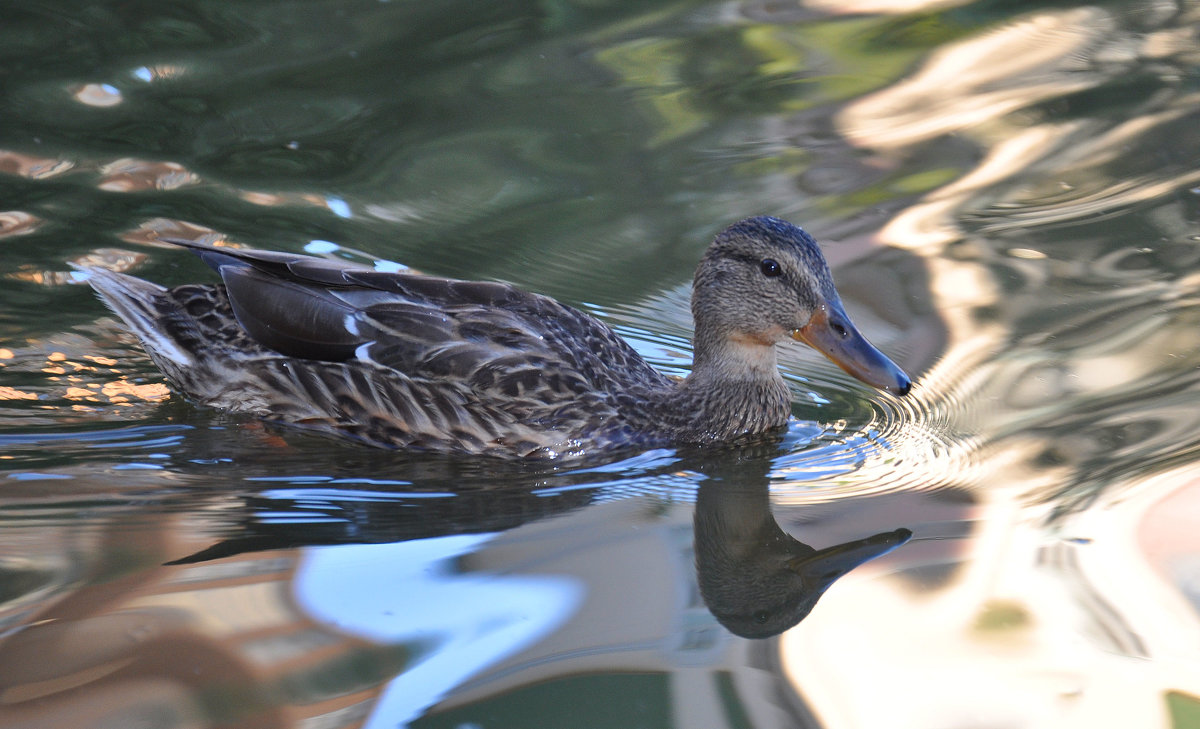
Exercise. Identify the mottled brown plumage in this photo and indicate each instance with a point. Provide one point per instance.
(420, 362)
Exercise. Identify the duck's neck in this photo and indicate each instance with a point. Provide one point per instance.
(738, 357)
(734, 389)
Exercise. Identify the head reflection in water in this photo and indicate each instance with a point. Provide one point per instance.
(755, 578)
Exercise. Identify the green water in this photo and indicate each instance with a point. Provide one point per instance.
(1007, 194)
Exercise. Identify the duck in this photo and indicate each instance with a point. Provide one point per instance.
(417, 362)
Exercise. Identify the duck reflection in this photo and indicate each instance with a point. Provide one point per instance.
(755, 578)
(289, 519)
(457, 597)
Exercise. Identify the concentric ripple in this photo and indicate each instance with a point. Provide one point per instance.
(874, 443)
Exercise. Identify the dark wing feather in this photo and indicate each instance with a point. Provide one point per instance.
(523, 347)
(290, 318)
(283, 265)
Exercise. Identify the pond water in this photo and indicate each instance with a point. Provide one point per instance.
(1008, 193)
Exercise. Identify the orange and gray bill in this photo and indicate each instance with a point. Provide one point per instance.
(831, 333)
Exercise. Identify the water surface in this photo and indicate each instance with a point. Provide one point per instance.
(1007, 194)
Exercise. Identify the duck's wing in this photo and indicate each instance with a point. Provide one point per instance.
(490, 336)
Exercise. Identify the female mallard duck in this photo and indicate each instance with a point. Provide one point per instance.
(410, 361)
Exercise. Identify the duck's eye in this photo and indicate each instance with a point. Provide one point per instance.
(770, 267)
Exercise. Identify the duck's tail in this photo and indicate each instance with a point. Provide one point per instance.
(150, 312)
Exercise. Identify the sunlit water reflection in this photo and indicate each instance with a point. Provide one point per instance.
(1008, 197)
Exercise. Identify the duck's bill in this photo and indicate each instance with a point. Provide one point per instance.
(831, 333)
(823, 567)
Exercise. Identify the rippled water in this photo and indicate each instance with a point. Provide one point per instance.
(1008, 194)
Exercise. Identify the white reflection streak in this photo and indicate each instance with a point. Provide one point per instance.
(881, 7)
(980, 79)
(932, 222)
(407, 592)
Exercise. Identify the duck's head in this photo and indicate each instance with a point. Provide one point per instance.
(764, 279)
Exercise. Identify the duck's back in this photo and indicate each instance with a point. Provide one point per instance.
(396, 359)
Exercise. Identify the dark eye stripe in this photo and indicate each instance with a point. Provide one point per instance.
(770, 267)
